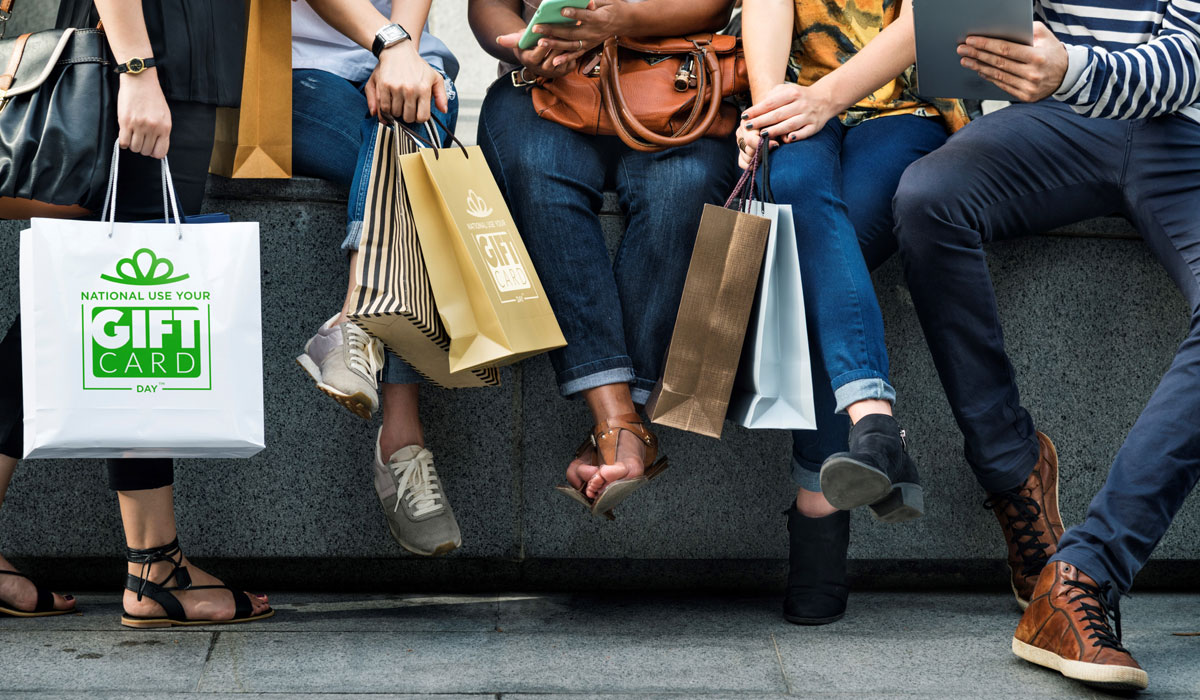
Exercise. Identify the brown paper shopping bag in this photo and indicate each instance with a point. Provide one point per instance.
(255, 139)
(488, 294)
(718, 295)
(394, 301)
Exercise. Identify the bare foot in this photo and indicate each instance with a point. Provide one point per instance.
(582, 469)
(212, 604)
(629, 463)
(19, 593)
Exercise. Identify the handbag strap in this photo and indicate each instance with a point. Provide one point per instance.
(170, 203)
(6, 7)
(745, 187)
(624, 120)
(14, 62)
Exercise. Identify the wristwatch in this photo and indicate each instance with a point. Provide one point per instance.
(388, 36)
(135, 65)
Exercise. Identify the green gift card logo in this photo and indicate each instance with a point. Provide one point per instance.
(143, 269)
(142, 337)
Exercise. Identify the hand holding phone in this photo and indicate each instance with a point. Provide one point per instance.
(549, 12)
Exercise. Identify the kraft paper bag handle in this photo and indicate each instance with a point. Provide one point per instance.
(170, 204)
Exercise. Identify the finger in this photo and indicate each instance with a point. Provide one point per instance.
(581, 14)
(789, 125)
(125, 138)
(563, 31)
(161, 146)
(568, 57)
(136, 142)
(1023, 70)
(408, 109)
(1000, 47)
(773, 100)
(385, 103)
(441, 99)
(372, 99)
(802, 133)
(423, 108)
(509, 40)
(774, 117)
(1012, 84)
(564, 45)
(536, 55)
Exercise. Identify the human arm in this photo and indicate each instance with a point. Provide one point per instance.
(403, 85)
(789, 112)
(1158, 77)
(143, 117)
(498, 25)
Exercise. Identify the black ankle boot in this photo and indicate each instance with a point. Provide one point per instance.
(817, 590)
(876, 471)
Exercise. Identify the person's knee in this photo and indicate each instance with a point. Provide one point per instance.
(928, 198)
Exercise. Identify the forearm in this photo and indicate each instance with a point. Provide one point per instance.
(767, 38)
(492, 18)
(879, 62)
(125, 29)
(412, 15)
(358, 20)
(673, 17)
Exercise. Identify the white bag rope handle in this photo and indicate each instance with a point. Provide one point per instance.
(170, 204)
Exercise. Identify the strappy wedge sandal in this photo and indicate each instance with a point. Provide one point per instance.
(606, 438)
(45, 601)
(579, 494)
(164, 595)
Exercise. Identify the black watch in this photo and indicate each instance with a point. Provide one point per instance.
(135, 65)
(388, 36)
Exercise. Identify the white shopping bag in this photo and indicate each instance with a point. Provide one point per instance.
(141, 340)
(773, 388)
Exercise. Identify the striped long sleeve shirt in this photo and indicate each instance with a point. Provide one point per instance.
(1128, 59)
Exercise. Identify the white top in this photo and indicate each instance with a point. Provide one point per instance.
(317, 45)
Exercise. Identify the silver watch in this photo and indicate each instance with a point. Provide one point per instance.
(390, 35)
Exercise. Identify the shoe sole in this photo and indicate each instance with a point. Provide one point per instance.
(443, 548)
(358, 403)
(150, 623)
(1098, 675)
(12, 612)
(812, 621)
(905, 502)
(848, 483)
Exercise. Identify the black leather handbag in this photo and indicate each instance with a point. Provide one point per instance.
(58, 120)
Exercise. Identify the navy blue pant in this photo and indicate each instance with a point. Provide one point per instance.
(1027, 169)
(617, 316)
(840, 184)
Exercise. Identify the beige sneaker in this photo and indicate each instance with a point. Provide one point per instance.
(345, 363)
(412, 498)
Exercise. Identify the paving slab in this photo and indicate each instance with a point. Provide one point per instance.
(497, 662)
(165, 661)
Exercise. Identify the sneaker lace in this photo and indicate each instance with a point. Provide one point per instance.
(417, 479)
(1097, 616)
(365, 353)
(1025, 536)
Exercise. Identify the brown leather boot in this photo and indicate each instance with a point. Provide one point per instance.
(1066, 628)
(1030, 521)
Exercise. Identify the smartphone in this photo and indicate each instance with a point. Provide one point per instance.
(549, 12)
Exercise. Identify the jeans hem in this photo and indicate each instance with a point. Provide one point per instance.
(615, 375)
(852, 387)
(397, 371)
(804, 476)
(353, 240)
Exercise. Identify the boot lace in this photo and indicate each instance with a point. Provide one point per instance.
(1025, 535)
(1093, 603)
(418, 479)
(365, 353)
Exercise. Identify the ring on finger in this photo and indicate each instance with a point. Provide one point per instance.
(741, 144)
(580, 44)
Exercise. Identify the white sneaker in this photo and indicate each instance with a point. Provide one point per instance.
(345, 363)
(412, 498)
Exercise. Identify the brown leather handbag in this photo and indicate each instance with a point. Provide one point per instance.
(652, 93)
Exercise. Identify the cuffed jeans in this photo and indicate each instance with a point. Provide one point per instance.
(617, 317)
(840, 184)
(1031, 168)
(333, 138)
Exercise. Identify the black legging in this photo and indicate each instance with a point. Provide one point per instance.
(138, 198)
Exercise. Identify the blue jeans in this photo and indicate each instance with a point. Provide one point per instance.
(1031, 168)
(617, 316)
(333, 138)
(840, 184)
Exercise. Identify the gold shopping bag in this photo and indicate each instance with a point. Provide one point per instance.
(394, 301)
(488, 294)
(714, 312)
(255, 139)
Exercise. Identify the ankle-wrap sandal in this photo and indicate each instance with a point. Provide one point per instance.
(45, 601)
(164, 595)
(605, 438)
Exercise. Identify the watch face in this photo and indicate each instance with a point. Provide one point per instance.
(136, 65)
(392, 34)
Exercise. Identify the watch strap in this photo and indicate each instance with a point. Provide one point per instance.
(135, 66)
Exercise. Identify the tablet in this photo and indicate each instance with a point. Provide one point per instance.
(941, 25)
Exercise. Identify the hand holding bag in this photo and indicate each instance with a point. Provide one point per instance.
(710, 329)
(678, 86)
(141, 339)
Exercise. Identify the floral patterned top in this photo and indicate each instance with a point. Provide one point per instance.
(829, 32)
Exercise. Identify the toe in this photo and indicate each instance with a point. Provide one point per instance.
(258, 603)
(64, 602)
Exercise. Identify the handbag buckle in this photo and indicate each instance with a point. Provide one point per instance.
(4, 17)
(519, 78)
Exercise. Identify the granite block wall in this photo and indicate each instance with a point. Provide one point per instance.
(1091, 321)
